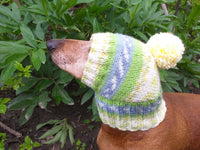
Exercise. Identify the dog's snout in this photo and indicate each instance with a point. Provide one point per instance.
(53, 44)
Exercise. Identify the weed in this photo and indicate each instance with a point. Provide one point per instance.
(60, 131)
(80, 145)
(28, 144)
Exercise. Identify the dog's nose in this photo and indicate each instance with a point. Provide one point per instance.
(53, 44)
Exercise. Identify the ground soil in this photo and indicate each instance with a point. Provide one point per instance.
(85, 132)
(76, 116)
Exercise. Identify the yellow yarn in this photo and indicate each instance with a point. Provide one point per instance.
(166, 48)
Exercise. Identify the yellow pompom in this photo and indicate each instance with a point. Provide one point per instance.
(166, 48)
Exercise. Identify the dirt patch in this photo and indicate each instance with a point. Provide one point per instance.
(76, 116)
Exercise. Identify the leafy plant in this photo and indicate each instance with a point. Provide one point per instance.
(3, 106)
(2, 140)
(28, 144)
(16, 80)
(80, 145)
(60, 130)
(3, 109)
(187, 26)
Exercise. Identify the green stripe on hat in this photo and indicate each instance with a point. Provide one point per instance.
(132, 74)
(104, 70)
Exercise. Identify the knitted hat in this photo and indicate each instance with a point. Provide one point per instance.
(123, 73)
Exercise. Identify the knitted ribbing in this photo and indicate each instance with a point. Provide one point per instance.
(126, 82)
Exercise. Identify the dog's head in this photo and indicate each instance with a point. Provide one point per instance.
(70, 55)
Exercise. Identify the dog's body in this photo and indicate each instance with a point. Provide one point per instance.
(180, 129)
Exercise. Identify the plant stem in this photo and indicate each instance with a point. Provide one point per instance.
(177, 7)
(164, 7)
(133, 16)
(17, 134)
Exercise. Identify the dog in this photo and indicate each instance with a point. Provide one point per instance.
(180, 129)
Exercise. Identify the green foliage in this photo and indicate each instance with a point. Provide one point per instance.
(187, 27)
(16, 80)
(88, 95)
(28, 144)
(3, 106)
(60, 130)
(80, 145)
(2, 140)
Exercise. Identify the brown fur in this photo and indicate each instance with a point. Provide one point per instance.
(180, 129)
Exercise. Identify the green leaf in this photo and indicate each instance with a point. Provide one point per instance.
(45, 6)
(58, 7)
(43, 99)
(87, 96)
(86, 121)
(38, 57)
(28, 83)
(197, 77)
(27, 114)
(27, 17)
(6, 11)
(194, 15)
(37, 9)
(63, 137)
(39, 32)
(21, 101)
(3, 109)
(42, 45)
(194, 68)
(70, 3)
(60, 94)
(35, 59)
(71, 135)
(48, 122)
(4, 101)
(195, 83)
(84, 1)
(43, 84)
(7, 72)
(36, 144)
(96, 26)
(79, 15)
(95, 114)
(141, 35)
(12, 59)
(12, 47)
(15, 12)
(28, 35)
(51, 132)
(5, 30)
(63, 77)
(118, 6)
(42, 55)
(28, 140)
(19, 66)
(55, 139)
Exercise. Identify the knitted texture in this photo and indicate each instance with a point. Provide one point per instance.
(168, 51)
(124, 76)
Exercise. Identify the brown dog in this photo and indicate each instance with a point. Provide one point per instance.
(180, 129)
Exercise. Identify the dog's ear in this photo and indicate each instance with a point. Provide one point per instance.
(70, 55)
(166, 48)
